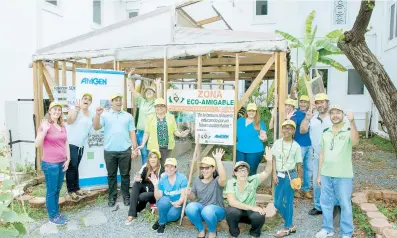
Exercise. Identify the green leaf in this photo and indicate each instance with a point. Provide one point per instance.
(324, 52)
(302, 90)
(333, 63)
(20, 227)
(7, 233)
(289, 37)
(9, 216)
(7, 184)
(335, 34)
(24, 218)
(327, 44)
(311, 56)
(6, 197)
(309, 23)
(313, 35)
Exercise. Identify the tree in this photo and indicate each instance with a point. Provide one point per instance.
(315, 51)
(376, 80)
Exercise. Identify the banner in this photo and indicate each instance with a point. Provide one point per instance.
(102, 84)
(214, 111)
(65, 95)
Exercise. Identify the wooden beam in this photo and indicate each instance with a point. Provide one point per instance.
(224, 76)
(256, 82)
(88, 64)
(64, 82)
(48, 83)
(228, 26)
(209, 20)
(56, 73)
(40, 110)
(199, 71)
(276, 90)
(283, 85)
(74, 74)
(204, 69)
(36, 111)
(166, 71)
(188, 17)
(236, 82)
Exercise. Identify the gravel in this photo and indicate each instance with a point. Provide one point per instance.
(307, 225)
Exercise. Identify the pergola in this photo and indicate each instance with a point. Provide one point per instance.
(171, 44)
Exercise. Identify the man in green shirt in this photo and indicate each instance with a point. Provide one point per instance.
(335, 172)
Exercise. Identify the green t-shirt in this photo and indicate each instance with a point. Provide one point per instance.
(146, 108)
(248, 196)
(337, 153)
(292, 155)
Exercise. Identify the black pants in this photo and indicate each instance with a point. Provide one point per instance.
(234, 216)
(165, 152)
(72, 174)
(118, 160)
(139, 198)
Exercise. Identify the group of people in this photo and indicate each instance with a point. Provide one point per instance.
(317, 141)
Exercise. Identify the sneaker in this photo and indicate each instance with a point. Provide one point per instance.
(129, 221)
(156, 225)
(307, 195)
(64, 218)
(126, 201)
(81, 192)
(74, 196)
(323, 233)
(161, 229)
(111, 203)
(58, 220)
(315, 212)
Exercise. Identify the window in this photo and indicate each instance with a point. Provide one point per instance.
(354, 86)
(97, 11)
(53, 2)
(319, 85)
(132, 14)
(393, 22)
(261, 7)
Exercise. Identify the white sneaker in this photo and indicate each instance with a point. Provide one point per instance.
(323, 233)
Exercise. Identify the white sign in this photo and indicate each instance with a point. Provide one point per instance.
(65, 95)
(214, 113)
(101, 84)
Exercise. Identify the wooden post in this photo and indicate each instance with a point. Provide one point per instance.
(275, 103)
(165, 74)
(40, 109)
(283, 85)
(236, 81)
(36, 110)
(64, 83)
(366, 124)
(74, 74)
(88, 66)
(199, 71)
(56, 73)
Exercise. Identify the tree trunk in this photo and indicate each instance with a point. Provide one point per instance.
(372, 73)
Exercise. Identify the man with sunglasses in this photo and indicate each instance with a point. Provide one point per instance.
(335, 172)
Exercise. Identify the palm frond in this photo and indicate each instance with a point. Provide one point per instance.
(326, 43)
(333, 63)
(309, 23)
(335, 34)
(289, 37)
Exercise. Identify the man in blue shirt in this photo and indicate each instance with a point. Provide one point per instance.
(119, 145)
(305, 143)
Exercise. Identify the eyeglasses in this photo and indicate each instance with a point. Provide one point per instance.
(242, 170)
(205, 168)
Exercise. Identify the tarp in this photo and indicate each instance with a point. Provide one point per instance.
(147, 36)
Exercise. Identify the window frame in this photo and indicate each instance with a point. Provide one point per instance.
(390, 43)
(347, 84)
(263, 19)
(132, 10)
(54, 9)
(329, 74)
(95, 24)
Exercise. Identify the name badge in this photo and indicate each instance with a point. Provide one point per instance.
(280, 175)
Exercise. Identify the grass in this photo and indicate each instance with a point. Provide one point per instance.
(387, 207)
(375, 143)
(35, 214)
(361, 222)
(272, 223)
(148, 216)
(40, 190)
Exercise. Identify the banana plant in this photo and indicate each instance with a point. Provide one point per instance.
(316, 51)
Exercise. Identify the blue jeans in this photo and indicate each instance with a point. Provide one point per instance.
(333, 191)
(316, 188)
(284, 199)
(53, 180)
(144, 151)
(167, 212)
(253, 159)
(211, 214)
(307, 157)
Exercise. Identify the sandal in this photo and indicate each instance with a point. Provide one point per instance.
(282, 233)
(129, 220)
(292, 229)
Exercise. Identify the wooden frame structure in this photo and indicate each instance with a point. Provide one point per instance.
(223, 66)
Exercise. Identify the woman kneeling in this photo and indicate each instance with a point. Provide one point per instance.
(143, 189)
(241, 195)
(207, 191)
(169, 193)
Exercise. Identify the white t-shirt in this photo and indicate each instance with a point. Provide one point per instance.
(78, 131)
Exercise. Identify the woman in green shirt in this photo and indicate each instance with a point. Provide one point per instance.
(287, 161)
(241, 195)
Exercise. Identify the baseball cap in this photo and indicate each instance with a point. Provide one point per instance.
(87, 94)
(208, 161)
(289, 122)
(155, 152)
(53, 104)
(335, 107)
(290, 101)
(251, 106)
(170, 161)
(320, 97)
(159, 101)
(304, 98)
(116, 96)
(241, 163)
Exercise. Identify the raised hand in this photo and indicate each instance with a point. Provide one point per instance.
(268, 154)
(99, 110)
(153, 178)
(45, 125)
(157, 81)
(218, 154)
(350, 116)
(290, 114)
(309, 113)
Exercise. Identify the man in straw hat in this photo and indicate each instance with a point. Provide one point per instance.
(119, 146)
(335, 171)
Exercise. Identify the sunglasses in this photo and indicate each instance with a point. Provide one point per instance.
(205, 168)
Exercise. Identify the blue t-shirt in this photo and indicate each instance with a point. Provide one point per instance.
(301, 139)
(173, 191)
(248, 138)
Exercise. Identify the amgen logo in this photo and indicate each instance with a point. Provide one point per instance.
(95, 81)
(222, 136)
